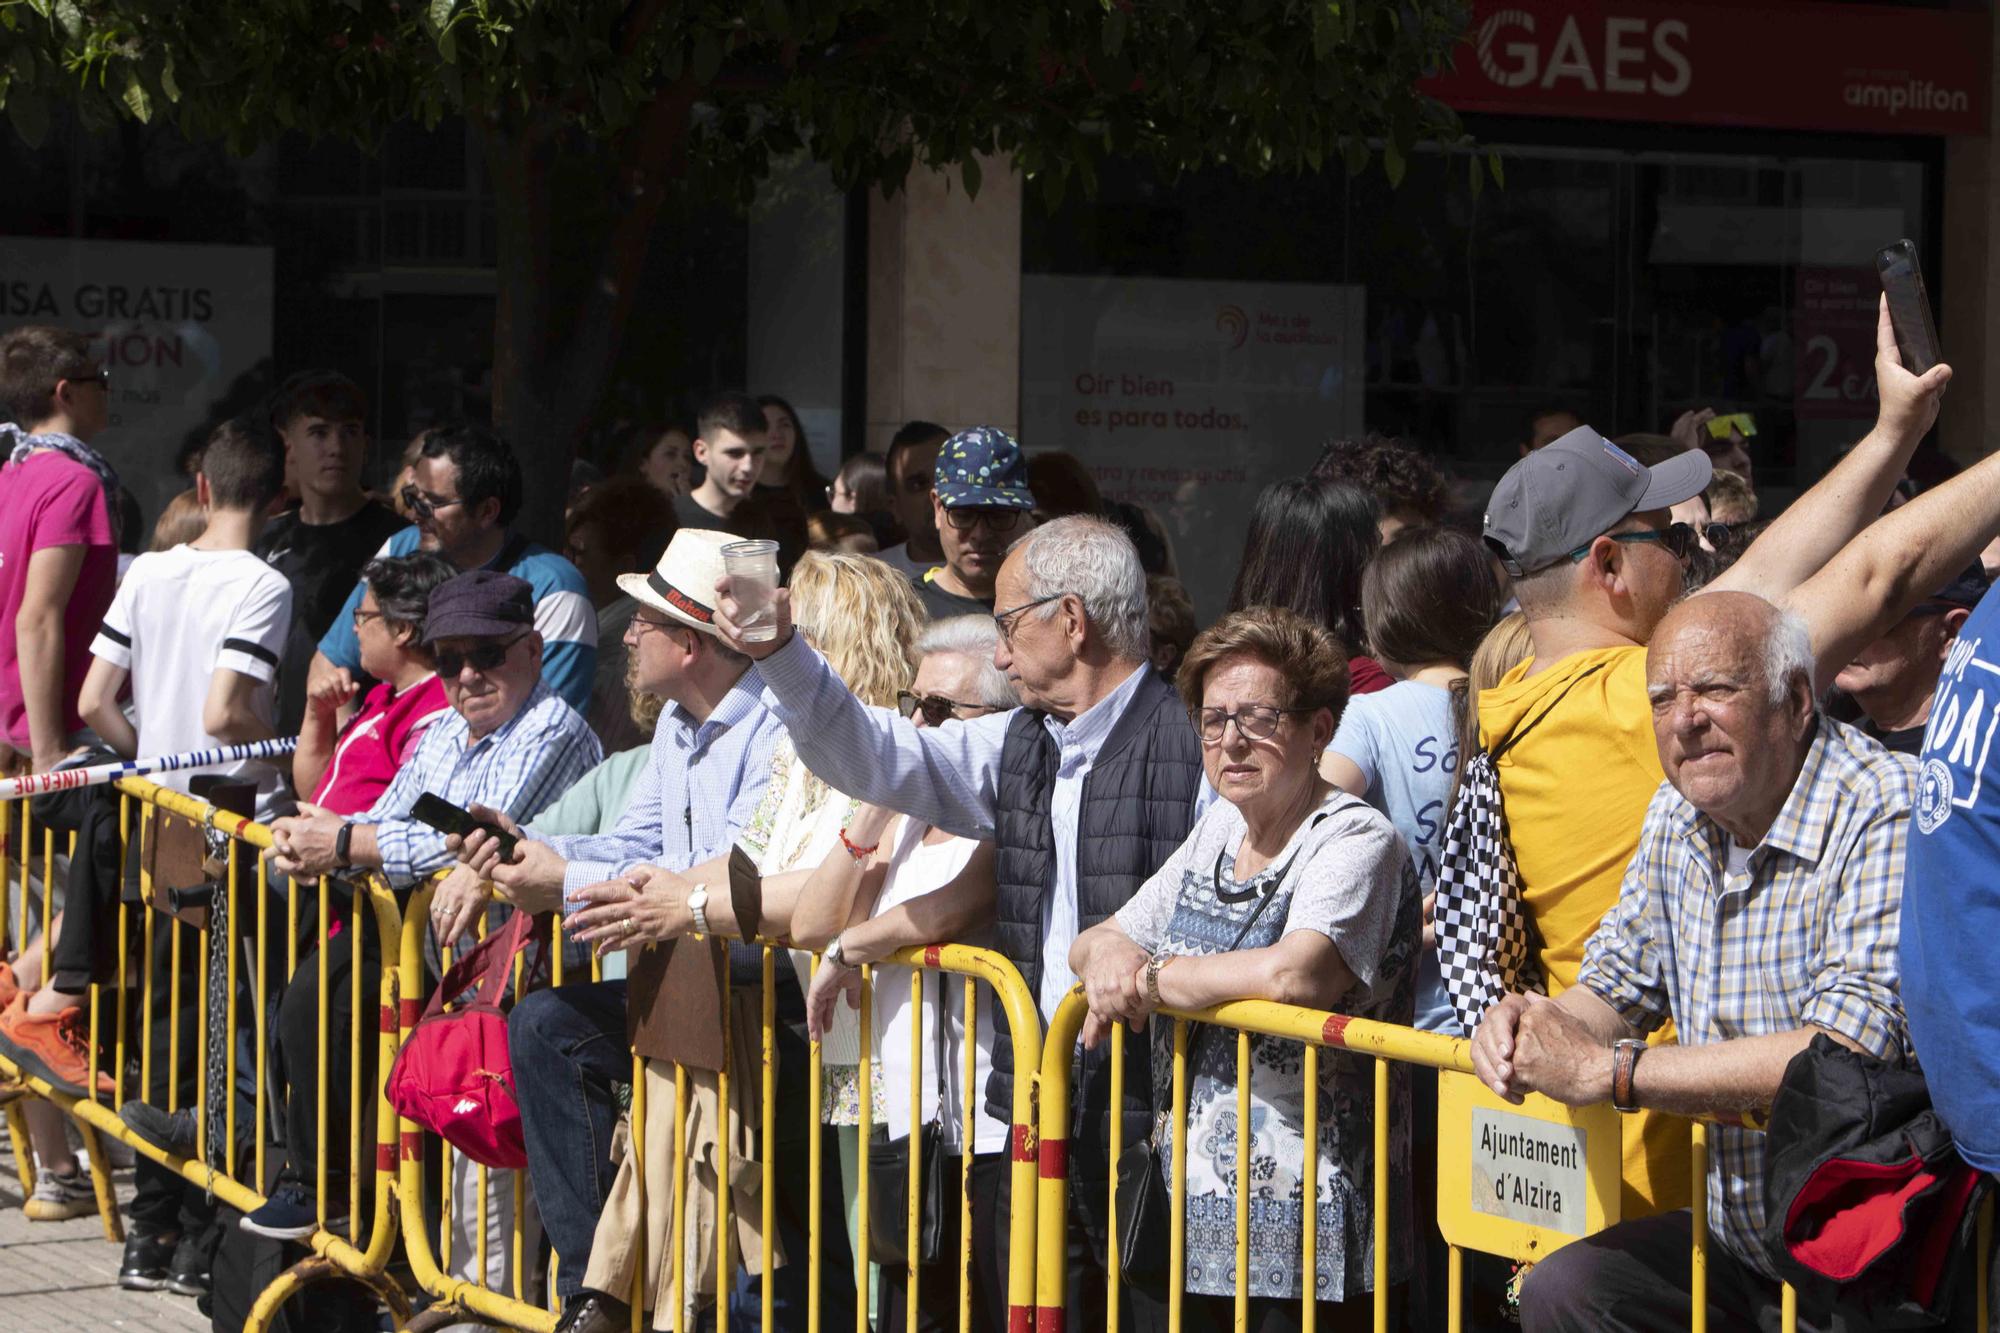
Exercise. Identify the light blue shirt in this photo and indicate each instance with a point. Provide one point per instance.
(564, 616)
(1405, 742)
(701, 785)
(947, 776)
(517, 769)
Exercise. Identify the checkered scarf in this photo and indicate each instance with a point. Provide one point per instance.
(17, 444)
(1484, 940)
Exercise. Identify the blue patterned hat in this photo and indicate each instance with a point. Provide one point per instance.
(983, 467)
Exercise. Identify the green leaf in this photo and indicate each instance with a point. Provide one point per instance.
(1393, 165)
(440, 13)
(1475, 174)
(29, 113)
(969, 169)
(707, 59)
(1354, 149)
(1114, 31)
(1493, 165)
(136, 99)
(448, 46)
(168, 85)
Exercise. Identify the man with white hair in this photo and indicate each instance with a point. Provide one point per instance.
(1085, 790)
(1763, 907)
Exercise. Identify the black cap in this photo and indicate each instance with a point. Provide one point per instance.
(479, 604)
(1962, 593)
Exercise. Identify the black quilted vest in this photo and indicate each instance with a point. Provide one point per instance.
(1138, 807)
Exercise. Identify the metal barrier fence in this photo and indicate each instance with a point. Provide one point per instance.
(1038, 1160)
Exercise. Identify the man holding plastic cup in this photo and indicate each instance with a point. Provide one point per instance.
(982, 503)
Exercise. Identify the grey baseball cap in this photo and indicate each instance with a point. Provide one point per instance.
(1579, 485)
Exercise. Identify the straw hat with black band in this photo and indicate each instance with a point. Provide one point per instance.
(682, 585)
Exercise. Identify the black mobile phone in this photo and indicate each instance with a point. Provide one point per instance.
(1909, 305)
(445, 817)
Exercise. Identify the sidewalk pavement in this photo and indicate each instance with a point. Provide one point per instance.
(62, 1277)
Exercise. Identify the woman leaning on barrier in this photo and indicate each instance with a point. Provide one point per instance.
(1289, 890)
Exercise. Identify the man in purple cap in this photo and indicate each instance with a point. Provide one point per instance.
(510, 744)
(982, 503)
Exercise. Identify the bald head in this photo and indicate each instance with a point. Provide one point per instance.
(1729, 677)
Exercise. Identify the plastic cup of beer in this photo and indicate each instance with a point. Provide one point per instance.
(752, 568)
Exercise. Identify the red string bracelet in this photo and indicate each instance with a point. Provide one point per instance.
(858, 853)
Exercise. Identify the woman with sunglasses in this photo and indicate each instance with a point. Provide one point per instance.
(917, 885)
(1290, 890)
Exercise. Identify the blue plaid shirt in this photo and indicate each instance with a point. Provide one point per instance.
(517, 769)
(1803, 935)
(701, 785)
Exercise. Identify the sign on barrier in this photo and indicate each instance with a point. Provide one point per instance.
(1523, 1180)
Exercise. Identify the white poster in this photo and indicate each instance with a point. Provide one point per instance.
(180, 324)
(1188, 398)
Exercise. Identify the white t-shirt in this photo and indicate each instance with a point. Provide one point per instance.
(915, 870)
(177, 617)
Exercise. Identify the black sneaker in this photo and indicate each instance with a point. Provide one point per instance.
(147, 1256)
(594, 1312)
(289, 1214)
(187, 1272)
(171, 1132)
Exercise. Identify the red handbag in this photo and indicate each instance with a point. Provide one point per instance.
(453, 1075)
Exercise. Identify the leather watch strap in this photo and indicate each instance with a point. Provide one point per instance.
(1625, 1055)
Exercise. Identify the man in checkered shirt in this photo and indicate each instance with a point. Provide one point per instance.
(1762, 907)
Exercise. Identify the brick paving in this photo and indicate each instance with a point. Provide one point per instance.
(62, 1277)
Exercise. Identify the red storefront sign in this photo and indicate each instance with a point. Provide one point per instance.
(1811, 66)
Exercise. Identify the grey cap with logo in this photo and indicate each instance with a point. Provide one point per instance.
(1575, 488)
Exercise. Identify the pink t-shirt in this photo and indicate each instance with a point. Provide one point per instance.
(374, 743)
(49, 500)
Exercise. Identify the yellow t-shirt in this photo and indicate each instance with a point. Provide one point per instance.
(1576, 787)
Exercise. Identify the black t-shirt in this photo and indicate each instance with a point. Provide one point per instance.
(1909, 740)
(322, 562)
(751, 521)
(944, 605)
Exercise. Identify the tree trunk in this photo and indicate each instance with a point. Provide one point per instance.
(555, 337)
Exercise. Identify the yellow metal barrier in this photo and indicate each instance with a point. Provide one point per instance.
(141, 806)
(1316, 1030)
(431, 1265)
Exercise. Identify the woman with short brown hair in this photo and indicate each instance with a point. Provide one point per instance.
(1290, 890)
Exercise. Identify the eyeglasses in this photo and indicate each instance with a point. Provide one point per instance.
(1678, 538)
(1005, 619)
(1256, 722)
(421, 505)
(937, 709)
(1715, 533)
(996, 520)
(486, 657)
(101, 377)
(363, 617)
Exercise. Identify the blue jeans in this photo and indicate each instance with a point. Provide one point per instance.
(573, 1039)
(570, 1041)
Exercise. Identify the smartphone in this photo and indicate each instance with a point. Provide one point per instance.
(445, 817)
(1741, 423)
(1909, 305)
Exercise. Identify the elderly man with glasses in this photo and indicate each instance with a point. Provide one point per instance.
(981, 503)
(1085, 791)
(510, 744)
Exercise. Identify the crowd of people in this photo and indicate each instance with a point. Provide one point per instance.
(1736, 781)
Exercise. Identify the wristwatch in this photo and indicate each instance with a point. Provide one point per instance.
(1625, 1053)
(341, 841)
(1153, 966)
(835, 953)
(698, 908)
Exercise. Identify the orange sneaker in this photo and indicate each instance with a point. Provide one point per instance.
(53, 1047)
(9, 988)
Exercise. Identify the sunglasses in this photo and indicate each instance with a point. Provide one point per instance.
(486, 657)
(937, 709)
(101, 377)
(421, 505)
(1679, 539)
(996, 520)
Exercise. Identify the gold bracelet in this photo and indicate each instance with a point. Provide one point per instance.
(1153, 967)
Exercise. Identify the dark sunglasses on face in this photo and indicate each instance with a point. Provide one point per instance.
(101, 377)
(486, 657)
(1678, 538)
(937, 709)
(996, 520)
(421, 505)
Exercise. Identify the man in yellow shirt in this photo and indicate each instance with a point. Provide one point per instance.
(1584, 530)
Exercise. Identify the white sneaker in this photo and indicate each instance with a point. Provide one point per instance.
(59, 1198)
